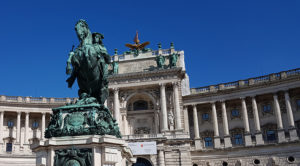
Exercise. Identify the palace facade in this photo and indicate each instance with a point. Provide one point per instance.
(254, 121)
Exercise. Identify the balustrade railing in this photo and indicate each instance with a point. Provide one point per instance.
(247, 82)
(36, 99)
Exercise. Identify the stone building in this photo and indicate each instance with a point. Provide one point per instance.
(254, 121)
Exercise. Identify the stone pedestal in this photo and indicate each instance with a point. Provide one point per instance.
(198, 144)
(217, 142)
(248, 139)
(293, 134)
(259, 138)
(227, 141)
(88, 150)
(281, 136)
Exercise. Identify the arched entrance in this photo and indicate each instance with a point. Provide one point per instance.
(142, 162)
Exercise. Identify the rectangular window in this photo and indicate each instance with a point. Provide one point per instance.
(235, 113)
(271, 135)
(208, 142)
(298, 104)
(8, 147)
(238, 139)
(205, 116)
(267, 108)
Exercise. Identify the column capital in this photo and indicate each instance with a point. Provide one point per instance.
(26, 113)
(222, 101)
(275, 95)
(43, 113)
(175, 83)
(286, 92)
(19, 112)
(212, 102)
(162, 84)
(116, 90)
(242, 97)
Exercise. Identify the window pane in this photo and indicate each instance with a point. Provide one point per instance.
(238, 139)
(10, 123)
(298, 105)
(140, 105)
(271, 135)
(208, 141)
(8, 147)
(205, 116)
(267, 108)
(235, 113)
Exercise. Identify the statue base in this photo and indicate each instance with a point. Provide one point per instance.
(87, 150)
(82, 119)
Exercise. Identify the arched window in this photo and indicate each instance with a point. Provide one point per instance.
(140, 105)
(142, 162)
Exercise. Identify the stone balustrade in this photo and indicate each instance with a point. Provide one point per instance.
(149, 54)
(248, 82)
(42, 100)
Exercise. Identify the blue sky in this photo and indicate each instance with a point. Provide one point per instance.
(223, 40)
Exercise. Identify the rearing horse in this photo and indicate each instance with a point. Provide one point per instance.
(86, 65)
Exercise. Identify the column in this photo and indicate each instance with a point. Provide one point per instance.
(43, 124)
(227, 139)
(247, 134)
(161, 158)
(1, 125)
(217, 143)
(186, 119)
(196, 126)
(163, 104)
(156, 121)
(116, 105)
(280, 130)
(292, 129)
(197, 138)
(26, 128)
(258, 134)
(18, 127)
(178, 125)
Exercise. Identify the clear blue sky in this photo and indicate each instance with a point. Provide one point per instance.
(223, 40)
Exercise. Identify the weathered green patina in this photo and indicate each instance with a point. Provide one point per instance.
(88, 116)
(73, 157)
(173, 60)
(73, 120)
(160, 61)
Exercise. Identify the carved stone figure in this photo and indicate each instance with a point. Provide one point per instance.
(160, 61)
(173, 60)
(89, 62)
(171, 120)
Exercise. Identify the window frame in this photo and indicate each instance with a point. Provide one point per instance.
(204, 118)
(208, 142)
(10, 124)
(9, 147)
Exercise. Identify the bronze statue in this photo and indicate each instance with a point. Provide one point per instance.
(90, 64)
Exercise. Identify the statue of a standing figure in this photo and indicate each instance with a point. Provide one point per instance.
(90, 64)
(160, 61)
(173, 60)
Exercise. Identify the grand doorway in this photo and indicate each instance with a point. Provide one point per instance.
(142, 162)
